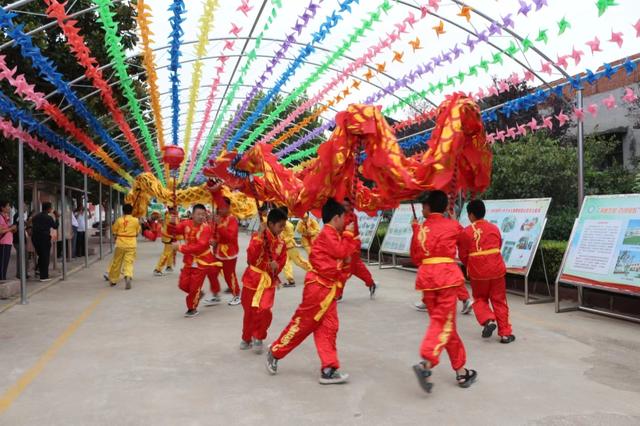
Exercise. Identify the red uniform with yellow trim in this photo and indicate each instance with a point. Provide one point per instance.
(197, 258)
(479, 249)
(318, 312)
(259, 283)
(433, 248)
(225, 235)
(358, 268)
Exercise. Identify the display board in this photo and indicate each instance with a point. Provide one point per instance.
(398, 237)
(604, 250)
(368, 226)
(521, 223)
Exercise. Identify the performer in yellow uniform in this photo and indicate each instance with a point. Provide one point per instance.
(308, 229)
(126, 230)
(293, 256)
(168, 256)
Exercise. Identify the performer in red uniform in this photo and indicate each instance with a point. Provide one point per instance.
(266, 256)
(318, 313)
(358, 268)
(225, 243)
(479, 249)
(433, 247)
(197, 255)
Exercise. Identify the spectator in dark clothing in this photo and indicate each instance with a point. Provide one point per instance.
(42, 223)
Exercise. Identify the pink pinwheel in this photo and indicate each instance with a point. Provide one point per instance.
(593, 110)
(562, 118)
(609, 102)
(629, 95)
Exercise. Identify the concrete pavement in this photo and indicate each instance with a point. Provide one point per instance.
(82, 353)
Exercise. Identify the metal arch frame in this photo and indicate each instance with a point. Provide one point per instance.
(20, 3)
(182, 114)
(181, 103)
(514, 34)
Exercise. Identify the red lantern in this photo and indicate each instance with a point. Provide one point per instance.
(173, 156)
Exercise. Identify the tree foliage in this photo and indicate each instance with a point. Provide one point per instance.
(540, 166)
(53, 45)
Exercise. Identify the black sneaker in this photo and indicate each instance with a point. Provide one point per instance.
(488, 329)
(331, 376)
(168, 269)
(466, 307)
(227, 290)
(507, 339)
(289, 284)
(271, 364)
(191, 313)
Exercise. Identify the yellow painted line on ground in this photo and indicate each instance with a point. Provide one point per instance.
(30, 375)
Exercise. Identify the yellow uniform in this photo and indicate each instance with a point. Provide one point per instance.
(126, 230)
(168, 256)
(292, 253)
(308, 230)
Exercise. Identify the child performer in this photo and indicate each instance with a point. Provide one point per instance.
(308, 229)
(358, 267)
(225, 237)
(293, 256)
(126, 230)
(433, 247)
(168, 256)
(318, 312)
(266, 256)
(479, 249)
(197, 256)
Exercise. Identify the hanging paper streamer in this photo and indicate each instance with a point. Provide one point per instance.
(371, 53)
(84, 57)
(251, 56)
(48, 71)
(148, 59)
(309, 13)
(353, 38)
(235, 30)
(317, 37)
(7, 107)
(576, 83)
(117, 56)
(10, 132)
(178, 9)
(445, 57)
(507, 109)
(26, 91)
(207, 113)
(206, 21)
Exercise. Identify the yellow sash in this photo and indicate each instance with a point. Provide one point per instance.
(324, 305)
(437, 260)
(204, 263)
(265, 282)
(485, 252)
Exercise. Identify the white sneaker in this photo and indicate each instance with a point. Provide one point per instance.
(245, 345)
(235, 301)
(466, 307)
(420, 306)
(257, 346)
(157, 273)
(212, 301)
